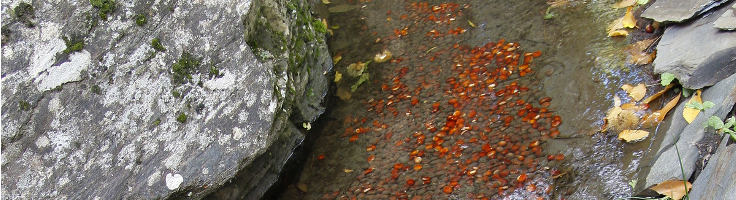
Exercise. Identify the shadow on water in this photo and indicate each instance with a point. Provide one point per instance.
(580, 69)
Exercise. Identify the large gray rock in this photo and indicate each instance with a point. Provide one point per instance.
(667, 164)
(716, 181)
(696, 53)
(678, 10)
(101, 123)
(727, 21)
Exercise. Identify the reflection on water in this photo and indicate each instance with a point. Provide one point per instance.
(481, 99)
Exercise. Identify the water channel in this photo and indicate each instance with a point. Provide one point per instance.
(481, 99)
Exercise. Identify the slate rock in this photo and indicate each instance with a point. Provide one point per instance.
(716, 181)
(102, 121)
(698, 54)
(678, 10)
(666, 162)
(727, 21)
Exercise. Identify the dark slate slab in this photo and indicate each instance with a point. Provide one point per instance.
(696, 53)
(678, 10)
(716, 181)
(666, 164)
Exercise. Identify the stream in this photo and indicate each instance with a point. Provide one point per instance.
(478, 100)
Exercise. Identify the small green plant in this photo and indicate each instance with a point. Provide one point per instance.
(106, 7)
(73, 45)
(140, 19)
(717, 123)
(24, 105)
(214, 72)
(666, 78)
(157, 122)
(96, 89)
(183, 68)
(700, 106)
(24, 12)
(182, 118)
(176, 94)
(156, 44)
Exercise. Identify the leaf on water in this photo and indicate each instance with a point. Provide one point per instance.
(620, 119)
(636, 92)
(632, 183)
(616, 101)
(383, 56)
(675, 189)
(616, 28)
(336, 59)
(633, 135)
(347, 170)
(365, 77)
(471, 24)
(666, 78)
(652, 119)
(624, 3)
(629, 21)
(326, 1)
(690, 112)
(338, 76)
(655, 96)
(638, 54)
(302, 187)
(356, 69)
(344, 94)
(557, 3)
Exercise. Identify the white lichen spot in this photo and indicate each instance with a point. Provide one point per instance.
(66, 72)
(173, 181)
(243, 116)
(177, 149)
(237, 133)
(205, 171)
(221, 83)
(153, 178)
(42, 141)
(63, 180)
(45, 55)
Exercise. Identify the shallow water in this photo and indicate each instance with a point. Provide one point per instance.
(380, 143)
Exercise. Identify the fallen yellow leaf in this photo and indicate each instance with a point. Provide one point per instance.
(629, 21)
(558, 3)
(618, 33)
(652, 119)
(633, 135)
(641, 58)
(302, 187)
(347, 170)
(383, 56)
(615, 26)
(638, 54)
(620, 119)
(338, 76)
(675, 189)
(336, 59)
(653, 97)
(624, 4)
(690, 113)
(636, 92)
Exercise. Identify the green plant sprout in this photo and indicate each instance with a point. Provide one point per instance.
(698, 106)
(717, 123)
(182, 118)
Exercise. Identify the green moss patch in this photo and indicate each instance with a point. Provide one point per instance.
(140, 20)
(184, 68)
(156, 44)
(105, 6)
(24, 12)
(73, 45)
(182, 118)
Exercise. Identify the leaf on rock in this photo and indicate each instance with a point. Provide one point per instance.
(633, 135)
(658, 94)
(654, 118)
(666, 78)
(636, 92)
(675, 189)
(690, 113)
(624, 3)
(629, 21)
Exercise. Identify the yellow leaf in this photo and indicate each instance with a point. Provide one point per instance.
(633, 135)
(620, 119)
(336, 59)
(326, 1)
(638, 54)
(624, 4)
(629, 21)
(338, 76)
(637, 92)
(347, 170)
(690, 113)
(383, 56)
(641, 58)
(615, 26)
(652, 119)
(618, 33)
(653, 97)
(558, 3)
(302, 187)
(675, 189)
(344, 94)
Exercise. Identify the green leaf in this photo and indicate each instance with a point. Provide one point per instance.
(642, 2)
(667, 78)
(694, 105)
(362, 79)
(686, 92)
(632, 183)
(548, 14)
(730, 122)
(715, 122)
(708, 104)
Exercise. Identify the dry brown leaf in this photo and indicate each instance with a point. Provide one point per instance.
(635, 92)
(690, 113)
(302, 187)
(654, 118)
(344, 94)
(655, 96)
(675, 189)
(633, 135)
(641, 58)
(640, 45)
(629, 21)
(620, 119)
(624, 4)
